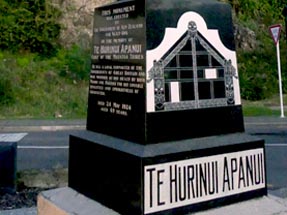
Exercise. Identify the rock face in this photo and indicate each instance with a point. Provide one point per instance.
(245, 38)
(77, 20)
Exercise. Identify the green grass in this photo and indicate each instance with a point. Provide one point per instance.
(267, 107)
(31, 87)
(259, 111)
(61, 102)
(41, 88)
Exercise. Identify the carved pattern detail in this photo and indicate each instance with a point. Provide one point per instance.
(157, 75)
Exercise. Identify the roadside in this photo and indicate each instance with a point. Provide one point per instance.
(31, 182)
(266, 125)
(26, 125)
(264, 120)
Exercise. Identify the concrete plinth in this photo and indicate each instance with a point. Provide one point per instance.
(66, 201)
(167, 178)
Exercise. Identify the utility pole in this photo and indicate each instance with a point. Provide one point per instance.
(284, 12)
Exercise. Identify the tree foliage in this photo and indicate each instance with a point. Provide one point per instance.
(28, 25)
(251, 8)
(258, 68)
(32, 26)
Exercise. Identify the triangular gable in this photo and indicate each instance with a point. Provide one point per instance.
(184, 45)
(210, 53)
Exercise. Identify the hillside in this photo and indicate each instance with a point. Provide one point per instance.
(45, 58)
(256, 52)
(76, 20)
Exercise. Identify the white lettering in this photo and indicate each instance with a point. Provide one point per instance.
(175, 184)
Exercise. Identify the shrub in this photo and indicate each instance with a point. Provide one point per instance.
(76, 63)
(258, 75)
(29, 25)
(6, 91)
(6, 85)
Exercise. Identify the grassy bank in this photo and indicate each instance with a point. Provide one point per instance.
(57, 87)
(31, 87)
(267, 107)
(45, 77)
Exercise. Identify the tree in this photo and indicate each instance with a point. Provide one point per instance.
(29, 25)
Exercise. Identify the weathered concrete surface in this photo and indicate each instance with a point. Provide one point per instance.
(66, 201)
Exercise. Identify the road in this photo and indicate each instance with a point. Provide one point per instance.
(274, 132)
(44, 149)
(46, 146)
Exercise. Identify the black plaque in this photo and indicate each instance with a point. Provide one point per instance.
(117, 80)
(175, 93)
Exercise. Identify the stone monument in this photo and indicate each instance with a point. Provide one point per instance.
(165, 131)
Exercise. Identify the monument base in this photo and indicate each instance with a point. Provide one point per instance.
(168, 178)
(66, 201)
